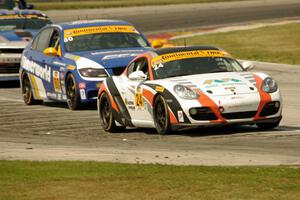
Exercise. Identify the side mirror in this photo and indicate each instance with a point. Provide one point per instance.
(157, 43)
(50, 51)
(138, 76)
(248, 65)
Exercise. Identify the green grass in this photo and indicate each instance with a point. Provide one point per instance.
(278, 44)
(91, 180)
(80, 4)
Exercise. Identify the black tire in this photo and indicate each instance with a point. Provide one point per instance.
(72, 92)
(27, 91)
(106, 116)
(161, 116)
(268, 125)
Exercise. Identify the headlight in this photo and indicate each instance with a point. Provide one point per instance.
(93, 73)
(269, 85)
(185, 92)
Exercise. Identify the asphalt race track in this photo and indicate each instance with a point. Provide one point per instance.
(52, 132)
(153, 19)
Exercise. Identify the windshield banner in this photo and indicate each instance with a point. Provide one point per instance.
(188, 54)
(98, 29)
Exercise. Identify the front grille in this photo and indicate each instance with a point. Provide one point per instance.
(203, 113)
(118, 70)
(9, 68)
(14, 50)
(239, 115)
(92, 94)
(270, 108)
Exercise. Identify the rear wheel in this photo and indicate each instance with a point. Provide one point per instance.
(161, 116)
(73, 98)
(27, 92)
(268, 125)
(106, 116)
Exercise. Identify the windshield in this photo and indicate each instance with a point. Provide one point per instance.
(101, 41)
(22, 23)
(193, 66)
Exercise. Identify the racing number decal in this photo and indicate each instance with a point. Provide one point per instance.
(139, 100)
(56, 81)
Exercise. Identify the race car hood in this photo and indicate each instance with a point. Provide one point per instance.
(113, 58)
(219, 84)
(17, 35)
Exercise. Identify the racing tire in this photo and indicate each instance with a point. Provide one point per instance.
(268, 125)
(72, 92)
(27, 92)
(106, 116)
(161, 116)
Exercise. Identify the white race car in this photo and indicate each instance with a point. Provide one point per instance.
(180, 87)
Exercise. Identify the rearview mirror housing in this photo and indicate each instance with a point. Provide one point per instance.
(137, 75)
(248, 65)
(50, 51)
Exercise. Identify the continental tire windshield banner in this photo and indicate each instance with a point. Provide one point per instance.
(188, 54)
(98, 29)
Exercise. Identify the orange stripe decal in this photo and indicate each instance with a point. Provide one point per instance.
(205, 101)
(264, 97)
(149, 96)
(113, 103)
(173, 119)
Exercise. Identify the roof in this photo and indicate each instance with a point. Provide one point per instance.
(22, 12)
(180, 49)
(89, 23)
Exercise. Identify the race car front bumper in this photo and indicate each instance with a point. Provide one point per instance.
(9, 67)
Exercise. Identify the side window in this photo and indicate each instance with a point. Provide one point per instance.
(34, 42)
(142, 65)
(43, 39)
(54, 40)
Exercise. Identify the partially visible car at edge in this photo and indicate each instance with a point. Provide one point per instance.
(17, 28)
(68, 61)
(181, 87)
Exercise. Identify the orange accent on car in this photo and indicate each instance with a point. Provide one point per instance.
(205, 101)
(173, 119)
(264, 97)
(149, 96)
(113, 103)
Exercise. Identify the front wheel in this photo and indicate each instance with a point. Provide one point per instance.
(268, 125)
(106, 114)
(27, 92)
(73, 98)
(161, 116)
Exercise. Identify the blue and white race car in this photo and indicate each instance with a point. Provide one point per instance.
(17, 28)
(69, 61)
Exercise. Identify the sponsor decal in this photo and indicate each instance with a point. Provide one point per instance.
(188, 54)
(138, 100)
(82, 94)
(180, 116)
(224, 80)
(59, 63)
(71, 67)
(36, 69)
(70, 33)
(14, 16)
(159, 89)
(56, 81)
(82, 85)
(108, 57)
